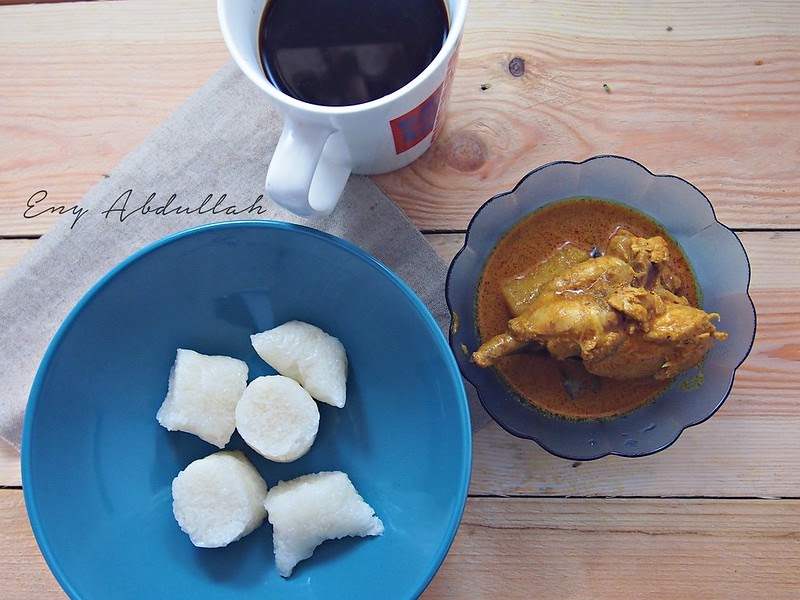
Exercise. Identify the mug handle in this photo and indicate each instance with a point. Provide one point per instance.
(305, 175)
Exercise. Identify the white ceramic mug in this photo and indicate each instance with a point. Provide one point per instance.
(321, 145)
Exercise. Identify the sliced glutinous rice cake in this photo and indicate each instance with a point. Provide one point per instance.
(202, 395)
(277, 418)
(309, 355)
(310, 509)
(219, 499)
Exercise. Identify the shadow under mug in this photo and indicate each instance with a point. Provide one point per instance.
(321, 145)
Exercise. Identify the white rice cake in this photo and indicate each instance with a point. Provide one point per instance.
(219, 499)
(202, 396)
(307, 354)
(277, 418)
(310, 509)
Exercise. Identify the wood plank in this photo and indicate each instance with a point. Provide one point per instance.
(747, 449)
(537, 548)
(701, 101)
(527, 548)
(705, 90)
(724, 457)
(10, 474)
(24, 575)
(11, 251)
(733, 457)
(5, 2)
(59, 66)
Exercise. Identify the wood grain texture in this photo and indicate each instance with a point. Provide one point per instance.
(575, 548)
(748, 449)
(6, 2)
(724, 457)
(714, 100)
(10, 474)
(23, 573)
(706, 91)
(137, 60)
(11, 251)
(528, 548)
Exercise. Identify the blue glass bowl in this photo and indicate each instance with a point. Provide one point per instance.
(723, 274)
(97, 467)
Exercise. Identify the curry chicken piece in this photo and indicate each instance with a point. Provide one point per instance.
(619, 312)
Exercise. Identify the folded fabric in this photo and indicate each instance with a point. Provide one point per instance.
(205, 163)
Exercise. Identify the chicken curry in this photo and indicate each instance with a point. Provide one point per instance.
(588, 309)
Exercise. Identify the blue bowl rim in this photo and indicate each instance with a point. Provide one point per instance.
(523, 435)
(28, 484)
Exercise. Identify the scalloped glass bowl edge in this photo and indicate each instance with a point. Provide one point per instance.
(723, 276)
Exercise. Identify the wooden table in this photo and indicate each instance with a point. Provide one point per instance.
(707, 91)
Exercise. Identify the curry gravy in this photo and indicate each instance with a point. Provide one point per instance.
(536, 376)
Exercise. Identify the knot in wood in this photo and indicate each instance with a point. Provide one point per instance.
(516, 67)
(465, 152)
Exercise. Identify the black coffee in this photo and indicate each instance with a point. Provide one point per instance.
(342, 52)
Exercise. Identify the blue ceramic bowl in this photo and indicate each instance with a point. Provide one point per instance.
(97, 467)
(721, 268)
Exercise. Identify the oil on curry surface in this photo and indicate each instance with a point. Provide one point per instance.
(588, 309)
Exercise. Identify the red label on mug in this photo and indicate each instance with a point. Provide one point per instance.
(411, 128)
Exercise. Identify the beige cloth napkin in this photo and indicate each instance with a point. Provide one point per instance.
(219, 142)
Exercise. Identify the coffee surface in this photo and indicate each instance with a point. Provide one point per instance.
(345, 52)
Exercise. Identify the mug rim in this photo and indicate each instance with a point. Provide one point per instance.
(457, 19)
